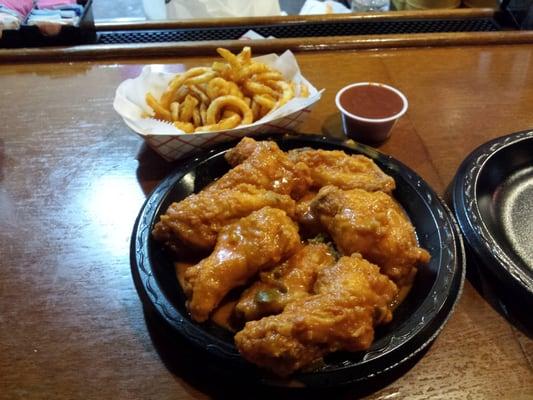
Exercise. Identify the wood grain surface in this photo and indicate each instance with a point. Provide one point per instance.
(73, 178)
(318, 43)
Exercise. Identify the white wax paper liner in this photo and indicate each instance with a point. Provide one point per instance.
(172, 143)
(173, 147)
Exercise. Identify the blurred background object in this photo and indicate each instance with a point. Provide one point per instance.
(481, 3)
(431, 4)
(118, 10)
(186, 9)
(136, 10)
(520, 11)
(323, 7)
(19, 7)
(398, 5)
(370, 5)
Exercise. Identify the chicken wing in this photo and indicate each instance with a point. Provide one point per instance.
(264, 165)
(352, 297)
(259, 241)
(309, 224)
(344, 171)
(374, 225)
(285, 283)
(244, 149)
(195, 221)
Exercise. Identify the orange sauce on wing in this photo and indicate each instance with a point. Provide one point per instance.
(181, 268)
(222, 315)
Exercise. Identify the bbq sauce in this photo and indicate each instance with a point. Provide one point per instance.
(371, 101)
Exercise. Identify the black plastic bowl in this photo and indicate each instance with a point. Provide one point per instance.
(492, 199)
(416, 323)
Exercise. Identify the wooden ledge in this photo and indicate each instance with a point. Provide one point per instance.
(206, 48)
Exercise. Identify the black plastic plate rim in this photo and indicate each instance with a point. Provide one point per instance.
(464, 202)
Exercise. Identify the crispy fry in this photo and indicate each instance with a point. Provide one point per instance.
(175, 111)
(199, 94)
(219, 66)
(264, 111)
(259, 88)
(256, 109)
(224, 70)
(265, 101)
(176, 83)
(187, 108)
(203, 113)
(245, 56)
(231, 58)
(228, 113)
(203, 78)
(186, 127)
(234, 90)
(217, 105)
(159, 111)
(273, 85)
(181, 94)
(196, 118)
(217, 87)
(255, 68)
(167, 97)
(268, 76)
(225, 123)
(229, 93)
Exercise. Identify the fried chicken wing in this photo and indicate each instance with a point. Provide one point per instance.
(336, 168)
(373, 224)
(285, 283)
(352, 297)
(244, 149)
(309, 224)
(259, 241)
(264, 165)
(300, 304)
(195, 221)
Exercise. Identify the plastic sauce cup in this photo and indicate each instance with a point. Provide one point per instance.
(369, 110)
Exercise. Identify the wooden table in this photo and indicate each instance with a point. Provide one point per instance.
(73, 177)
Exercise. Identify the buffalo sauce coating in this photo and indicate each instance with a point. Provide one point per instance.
(371, 101)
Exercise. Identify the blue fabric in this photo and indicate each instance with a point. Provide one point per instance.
(51, 13)
(65, 17)
(8, 21)
(4, 9)
(76, 8)
(67, 14)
